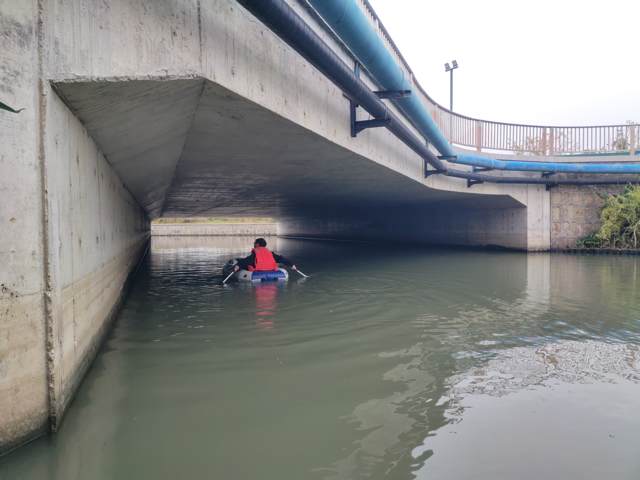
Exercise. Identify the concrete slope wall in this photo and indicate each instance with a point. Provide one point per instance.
(96, 233)
(70, 234)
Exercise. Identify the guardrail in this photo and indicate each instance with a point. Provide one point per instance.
(536, 139)
(486, 135)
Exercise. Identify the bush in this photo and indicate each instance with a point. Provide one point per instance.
(590, 241)
(620, 221)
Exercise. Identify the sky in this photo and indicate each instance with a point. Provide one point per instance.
(546, 62)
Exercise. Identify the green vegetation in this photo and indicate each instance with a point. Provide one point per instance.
(620, 222)
(622, 141)
(214, 220)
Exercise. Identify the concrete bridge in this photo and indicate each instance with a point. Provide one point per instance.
(134, 110)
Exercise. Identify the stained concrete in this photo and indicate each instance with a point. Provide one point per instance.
(23, 386)
(96, 232)
(140, 127)
(575, 213)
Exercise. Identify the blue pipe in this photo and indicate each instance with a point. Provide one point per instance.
(349, 22)
(556, 167)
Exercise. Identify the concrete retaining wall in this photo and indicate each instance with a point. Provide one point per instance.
(71, 234)
(23, 386)
(96, 232)
(575, 213)
(213, 229)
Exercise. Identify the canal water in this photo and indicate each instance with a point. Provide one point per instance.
(391, 363)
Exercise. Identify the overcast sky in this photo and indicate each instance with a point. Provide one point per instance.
(550, 62)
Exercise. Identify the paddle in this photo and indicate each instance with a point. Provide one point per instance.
(224, 282)
(305, 276)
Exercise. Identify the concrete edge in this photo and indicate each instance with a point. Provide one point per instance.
(187, 75)
(27, 438)
(54, 422)
(214, 229)
(55, 419)
(597, 251)
(485, 247)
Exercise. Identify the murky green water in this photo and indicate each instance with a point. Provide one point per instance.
(387, 364)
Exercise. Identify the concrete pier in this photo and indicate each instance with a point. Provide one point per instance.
(71, 233)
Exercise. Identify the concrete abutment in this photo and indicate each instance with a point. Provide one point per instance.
(71, 234)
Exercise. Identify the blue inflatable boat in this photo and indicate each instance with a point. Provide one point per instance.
(278, 275)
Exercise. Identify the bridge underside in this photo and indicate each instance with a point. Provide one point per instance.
(189, 147)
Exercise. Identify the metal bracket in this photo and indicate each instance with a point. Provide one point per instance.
(392, 93)
(428, 173)
(359, 125)
(547, 174)
(470, 182)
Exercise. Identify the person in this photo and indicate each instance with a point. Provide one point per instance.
(262, 259)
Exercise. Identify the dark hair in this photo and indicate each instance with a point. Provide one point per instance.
(261, 242)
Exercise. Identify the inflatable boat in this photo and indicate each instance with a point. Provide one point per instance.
(278, 275)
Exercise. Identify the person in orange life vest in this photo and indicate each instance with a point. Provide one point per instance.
(262, 259)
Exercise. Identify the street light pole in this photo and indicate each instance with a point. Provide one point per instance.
(450, 69)
(451, 90)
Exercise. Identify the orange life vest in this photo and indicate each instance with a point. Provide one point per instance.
(264, 260)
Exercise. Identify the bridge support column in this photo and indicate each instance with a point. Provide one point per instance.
(538, 218)
(70, 234)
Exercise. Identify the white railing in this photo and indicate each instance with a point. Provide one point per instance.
(535, 139)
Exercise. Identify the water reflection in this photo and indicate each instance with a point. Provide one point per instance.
(408, 363)
(422, 403)
(266, 304)
(570, 404)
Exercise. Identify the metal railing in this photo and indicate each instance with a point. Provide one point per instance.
(486, 135)
(535, 139)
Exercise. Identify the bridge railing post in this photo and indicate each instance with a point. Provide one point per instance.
(551, 141)
(478, 135)
(632, 138)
